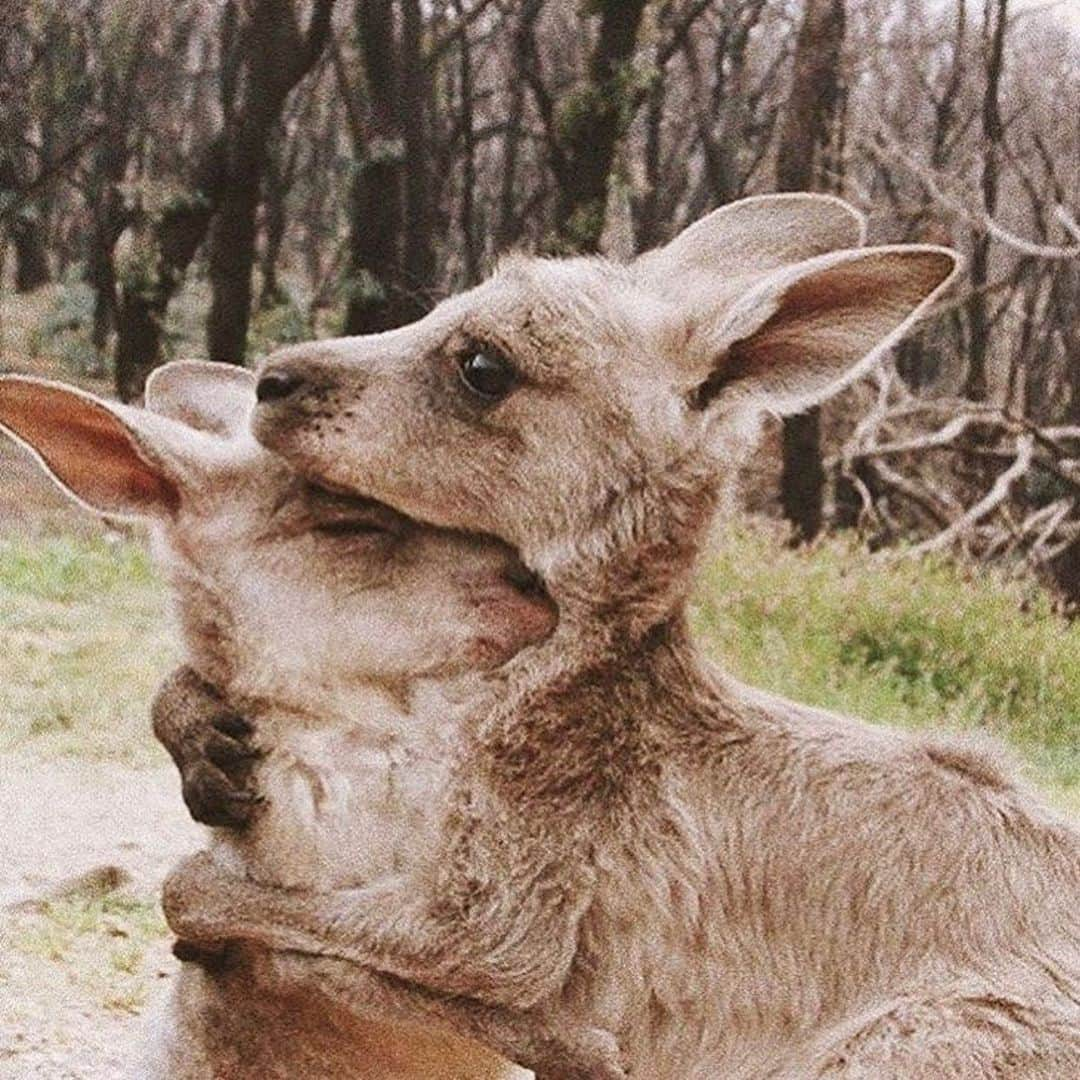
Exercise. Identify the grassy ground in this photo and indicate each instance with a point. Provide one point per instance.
(914, 644)
(87, 636)
(102, 941)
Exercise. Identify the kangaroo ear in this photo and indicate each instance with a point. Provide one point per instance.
(807, 330)
(751, 237)
(111, 458)
(211, 397)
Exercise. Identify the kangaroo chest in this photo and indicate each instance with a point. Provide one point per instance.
(346, 802)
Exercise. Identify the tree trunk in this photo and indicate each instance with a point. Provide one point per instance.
(139, 327)
(1064, 576)
(975, 384)
(592, 122)
(101, 276)
(375, 216)
(232, 258)
(467, 219)
(31, 264)
(278, 179)
(265, 56)
(510, 219)
(144, 300)
(804, 141)
(648, 224)
(109, 219)
(375, 301)
(418, 258)
(272, 58)
(802, 479)
(509, 227)
(121, 95)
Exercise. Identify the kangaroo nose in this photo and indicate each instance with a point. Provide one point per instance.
(277, 385)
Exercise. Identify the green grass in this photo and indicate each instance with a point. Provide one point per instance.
(106, 945)
(914, 644)
(86, 639)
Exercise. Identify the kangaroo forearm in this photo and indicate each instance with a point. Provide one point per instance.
(514, 958)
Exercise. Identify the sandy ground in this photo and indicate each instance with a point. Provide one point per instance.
(72, 995)
(78, 975)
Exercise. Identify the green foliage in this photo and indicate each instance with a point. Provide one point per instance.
(916, 644)
(580, 109)
(64, 331)
(67, 570)
(185, 321)
(282, 324)
(137, 269)
(361, 285)
(581, 232)
(86, 641)
(76, 916)
(72, 307)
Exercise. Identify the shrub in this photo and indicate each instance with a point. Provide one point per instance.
(64, 331)
(282, 324)
(917, 644)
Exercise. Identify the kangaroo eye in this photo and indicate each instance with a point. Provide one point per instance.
(488, 375)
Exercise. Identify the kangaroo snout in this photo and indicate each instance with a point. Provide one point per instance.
(334, 389)
(300, 376)
(298, 391)
(277, 385)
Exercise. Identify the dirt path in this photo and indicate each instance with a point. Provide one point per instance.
(78, 970)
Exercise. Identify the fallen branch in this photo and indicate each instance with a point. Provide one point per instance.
(1025, 453)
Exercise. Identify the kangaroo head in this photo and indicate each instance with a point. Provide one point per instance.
(588, 412)
(285, 590)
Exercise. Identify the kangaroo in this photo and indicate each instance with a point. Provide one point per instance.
(344, 630)
(732, 884)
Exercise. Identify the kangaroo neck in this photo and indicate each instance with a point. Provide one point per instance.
(584, 720)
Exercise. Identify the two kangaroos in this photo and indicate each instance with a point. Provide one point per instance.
(342, 630)
(635, 850)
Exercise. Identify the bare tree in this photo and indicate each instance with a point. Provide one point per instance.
(266, 57)
(802, 165)
(583, 130)
(995, 23)
(263, 56)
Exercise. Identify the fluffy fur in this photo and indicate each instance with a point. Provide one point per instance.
(344, 632)
(731, 884)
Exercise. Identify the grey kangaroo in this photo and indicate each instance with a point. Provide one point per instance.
(344, 630)
(731, 884)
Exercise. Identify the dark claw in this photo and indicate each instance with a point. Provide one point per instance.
(213, 799)
(212, 957)
(228, 753)
(212, 746)
(236, 727)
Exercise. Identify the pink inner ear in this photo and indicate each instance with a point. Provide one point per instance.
(508, 620)
(86, 447)
(827, 321)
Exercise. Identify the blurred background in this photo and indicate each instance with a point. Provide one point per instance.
(214, 178)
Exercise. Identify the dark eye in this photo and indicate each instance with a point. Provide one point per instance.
(488, 375)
